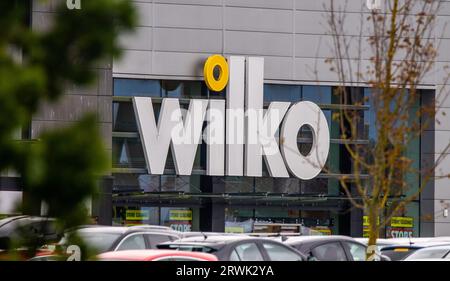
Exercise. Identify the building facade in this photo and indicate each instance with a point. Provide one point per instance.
(164, 58)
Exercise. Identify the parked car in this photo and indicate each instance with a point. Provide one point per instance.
(381, 242)
(155, 255)
(19, 229)
(401, 252)
(430, 253)
(103, 239)
(207, 234)
(237, 248)
(329, 248)
(117, 238)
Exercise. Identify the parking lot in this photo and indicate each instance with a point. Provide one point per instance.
(159, 243)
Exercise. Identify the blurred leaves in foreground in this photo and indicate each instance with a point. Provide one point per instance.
(63, 167)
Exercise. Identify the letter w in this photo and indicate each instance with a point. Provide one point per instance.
(183, 138)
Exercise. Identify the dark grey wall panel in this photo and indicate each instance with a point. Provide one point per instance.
(70, 108)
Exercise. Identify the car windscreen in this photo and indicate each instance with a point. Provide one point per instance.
(100, 241)
(397, 254)
(188, 248)
(428, 253)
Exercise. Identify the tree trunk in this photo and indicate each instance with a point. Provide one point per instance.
(372, 252)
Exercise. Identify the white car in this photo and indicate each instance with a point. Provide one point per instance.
(432, 253)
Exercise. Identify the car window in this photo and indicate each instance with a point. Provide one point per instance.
(329, 252)
(428, 253)
(133, 242)
(358, 252)
(234, 256)
(100, 241)
(397, 254)
(280, 253)
(247, 252)
(156, 239)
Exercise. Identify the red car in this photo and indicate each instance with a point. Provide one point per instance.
(155, 255)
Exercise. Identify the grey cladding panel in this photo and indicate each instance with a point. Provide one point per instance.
(190, 2)
(274, 4)
(140, 39)
(258, 19)
(179, 64)
(258, 43)
(144, 11)
(187, 16)
(194, 28)
(134, 62)
(181, 40)
(442, 188)
(323, 5)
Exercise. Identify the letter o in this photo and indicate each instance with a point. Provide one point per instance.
(300, 114)
(208, 72)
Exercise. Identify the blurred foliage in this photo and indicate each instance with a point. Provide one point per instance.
(62, 168)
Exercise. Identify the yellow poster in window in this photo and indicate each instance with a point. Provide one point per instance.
(402, 222)
(366, 221)
(180, 215)
(137, 215)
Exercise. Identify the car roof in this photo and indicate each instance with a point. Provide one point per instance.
(380, 241)
(103, 229)
(145, 255)
(411, 240)
(125, 229)
(427, 260)
(217, 238)
(10, 219)
(214, 242)
(416, 245)
(314, 238)
(438, 247)
(186, 235)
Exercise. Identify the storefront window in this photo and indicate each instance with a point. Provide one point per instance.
(317, 94)
(135, 215)
(183, 89)
(273, 92)
(136, 182)
(179, 219)
(137, 88)
(238, 184)
(128, 153)
(277, 185)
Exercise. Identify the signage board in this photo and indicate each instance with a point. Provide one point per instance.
(239, 133)
(137, 215)
(402, 222)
